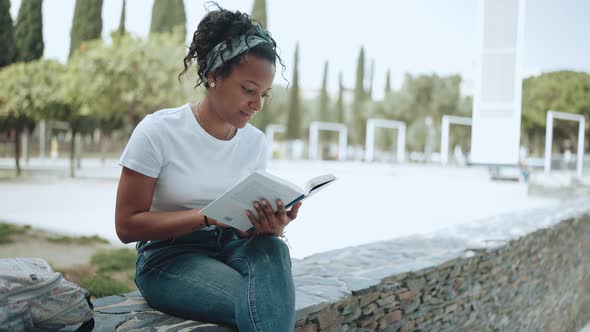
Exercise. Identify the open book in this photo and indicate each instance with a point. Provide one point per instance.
(230, 208)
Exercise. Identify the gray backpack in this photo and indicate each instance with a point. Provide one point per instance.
(35, 298)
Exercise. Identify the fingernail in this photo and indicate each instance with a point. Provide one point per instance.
(256, 204)
(265, 203)
(279, 203)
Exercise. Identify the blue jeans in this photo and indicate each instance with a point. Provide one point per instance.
(214, 276)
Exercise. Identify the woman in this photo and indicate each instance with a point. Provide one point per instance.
(178, 160)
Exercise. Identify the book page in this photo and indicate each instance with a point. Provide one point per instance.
(318, 182)
(257, 191)
(230, 208)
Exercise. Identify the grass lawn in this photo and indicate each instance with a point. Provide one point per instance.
(89, 261)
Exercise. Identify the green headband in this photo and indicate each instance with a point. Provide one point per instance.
(221, 52)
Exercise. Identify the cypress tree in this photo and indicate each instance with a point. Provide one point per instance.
(87, 24)
(324, 98)
(121, 29)
(340, 102)
(7, 43)
(28, 32)
(294, 118)
(259, 12)
(359, 98)
(387, 83)
(168, 16)
(372, 73)
(265, 116)
(259, 15)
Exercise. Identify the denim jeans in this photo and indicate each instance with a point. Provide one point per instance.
(214, 276)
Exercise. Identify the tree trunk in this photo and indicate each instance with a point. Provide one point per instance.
(103, 146)
(73, 154)
(16, 131)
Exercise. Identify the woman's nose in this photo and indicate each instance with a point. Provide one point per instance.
(256, 104)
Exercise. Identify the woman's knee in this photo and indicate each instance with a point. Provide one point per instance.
(269, 247)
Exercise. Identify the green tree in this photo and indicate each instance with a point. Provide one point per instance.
(421, 97)
(7, 43)
(28, 92)
(340, 102)
(265, 116)
(28, 31)
(358, 111)
(87, 23)
(168, 16)
(563, 91)
(371, 78)
(324, 98)
(294, 119)
(388, 83)
(121, 29)
(259, 12)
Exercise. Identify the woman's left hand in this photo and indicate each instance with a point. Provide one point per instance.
(270, 222)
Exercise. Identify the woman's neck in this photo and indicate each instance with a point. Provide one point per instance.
(211, 122)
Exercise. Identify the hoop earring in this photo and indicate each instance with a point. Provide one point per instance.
(212, 84)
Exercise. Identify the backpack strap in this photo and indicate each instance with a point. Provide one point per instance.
(87, 326)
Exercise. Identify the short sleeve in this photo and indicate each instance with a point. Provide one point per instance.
(144, 151)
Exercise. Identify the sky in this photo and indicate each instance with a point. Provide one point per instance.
(417, 37)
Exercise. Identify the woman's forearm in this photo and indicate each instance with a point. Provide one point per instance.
(156, 225)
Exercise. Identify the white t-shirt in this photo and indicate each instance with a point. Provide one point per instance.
(192, 167)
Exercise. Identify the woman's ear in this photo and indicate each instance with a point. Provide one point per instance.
(212, 79)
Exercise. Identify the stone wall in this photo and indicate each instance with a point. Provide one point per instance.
(538, 282)
(525, 271)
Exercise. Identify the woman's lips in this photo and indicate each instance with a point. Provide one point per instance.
(246, 115)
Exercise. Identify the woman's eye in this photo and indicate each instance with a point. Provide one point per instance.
(249, 91)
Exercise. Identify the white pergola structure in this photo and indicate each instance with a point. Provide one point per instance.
(549, 138)
(447, 120)
(372, 124)
(314, 130)
(270, 131)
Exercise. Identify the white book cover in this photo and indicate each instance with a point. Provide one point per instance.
(230, 208)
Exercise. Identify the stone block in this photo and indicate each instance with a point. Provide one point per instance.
(327, 318)
(388, 302)
(407, 295)
(391, 317)
(416, 283)
(370, 298)
(408, 326)
(307, 327)
(367, 310)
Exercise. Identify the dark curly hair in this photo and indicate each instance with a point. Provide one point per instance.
(222, 25)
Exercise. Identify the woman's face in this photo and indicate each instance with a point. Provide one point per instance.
(236, 97)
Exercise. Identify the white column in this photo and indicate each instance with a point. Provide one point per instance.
(548, 141)
(444, 141)
(316, 126)
(446, 122)
(580, 164)
(372, 124)
(270, 131)
(401, 143)
(343, 143)
(313, 141)
(370, 140)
